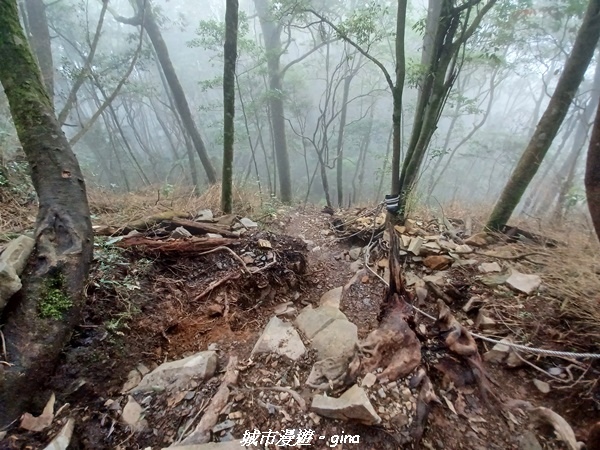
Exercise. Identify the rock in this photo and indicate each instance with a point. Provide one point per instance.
(411, 279)
(132, 414)
(10, 283)
(494, 279)
(328, 373)
(180, 233)
(498, 353)
(484, 322)
(556, 371)
(310, 321)
(204, 215)
(405, 241)
(133, 379)
(542, 386)
(478, 240)
(281, 338)
(338, 339)
(490, 267)
(177, 374)
(62, 439)
(462, 249)
(464, 262)
(524, 283)
(213, 236)
(528, 441)
(17, 253)
(263, 243)
(422, 294)
(415, 245)
(437, 262)
(285, 309)
(473, 304)
(248, 223)
(437, 278)
(432, 247)
(228, 445)
(225, 425)
(332, 298)
(352, 405)
(447, 245)
(369, 380)
(355, 253)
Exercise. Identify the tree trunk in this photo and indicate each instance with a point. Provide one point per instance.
(230, 56)
(40, 41)
(568, 83)
(153, 30)
(592, 174)
(272, 41)
(57, 274)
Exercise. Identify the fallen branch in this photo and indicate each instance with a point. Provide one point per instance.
(197, 227)
(188, 246)
(434, 288)
(202, 432)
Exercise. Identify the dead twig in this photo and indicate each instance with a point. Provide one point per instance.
(234, 254)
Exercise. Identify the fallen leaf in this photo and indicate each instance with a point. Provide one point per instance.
(450, 405)
(43, 421)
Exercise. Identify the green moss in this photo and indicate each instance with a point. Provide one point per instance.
(54, 302)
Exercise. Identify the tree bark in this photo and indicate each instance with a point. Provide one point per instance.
(568, 83)
(39, 37)
(592, 174)
(63, 232)
(272, 42)
(230, 56)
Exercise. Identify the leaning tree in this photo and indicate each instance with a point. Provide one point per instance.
(57, 272)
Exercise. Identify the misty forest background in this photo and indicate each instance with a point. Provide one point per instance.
(119, 113)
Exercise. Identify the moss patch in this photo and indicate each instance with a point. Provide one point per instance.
(54, 302)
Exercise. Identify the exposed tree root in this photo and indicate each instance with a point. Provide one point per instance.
(178, 247)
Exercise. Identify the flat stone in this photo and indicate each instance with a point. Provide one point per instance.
(133, 379)
(177, 374)
(422, 294)
(310, 321)
(10, 283)
(204, 215)
(355, 253)
(332, 297)
(484, 322)
(62, 439)
(285, 309)
(462, 249)
(369, 380)
(405, 241)
(523, 282)
(132, 414)
(478, 240)
(180, 233)
(437, 278)
(352, 405)
(490, 267)
(339, 338)
(415, 245)
(280, 337)
(213, 236)
(17, 253)
(494, 279)
(474, 303)
(542, 386)
(248, 223)
(437, 262)
(228, 445)
(328, 373)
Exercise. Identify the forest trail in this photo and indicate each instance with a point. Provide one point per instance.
(148, 307)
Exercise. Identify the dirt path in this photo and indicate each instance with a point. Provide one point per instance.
(146, 311)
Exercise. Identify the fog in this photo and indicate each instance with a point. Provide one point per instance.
(506, 75)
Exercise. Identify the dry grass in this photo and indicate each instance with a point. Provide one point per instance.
(110, 208)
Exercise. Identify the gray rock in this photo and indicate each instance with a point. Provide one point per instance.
(17, 253)
(229, 445)
(332, 297)
(529, 441)
(132, 414)
(281, 338)
(310, 321)
(355, 253)
(352, 405)
(286, 309)
(10, 283)
(542, 386)
(177, 374)
(204, 215)
(338, 339)
(248, 223)
(490, 267)
(328, 373)
(369, 380)
(524, 283)
(180, 233)
(62, 439)
(415, 245)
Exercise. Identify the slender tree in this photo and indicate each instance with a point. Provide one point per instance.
(39, 37)
(548, 126)
(592, 174)
(230, 55)
(63, 230)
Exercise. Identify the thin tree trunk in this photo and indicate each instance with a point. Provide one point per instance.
(592, 174)
(568, 83)
(230, 56)
(58, 270)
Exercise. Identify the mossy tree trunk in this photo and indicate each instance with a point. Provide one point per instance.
(230, 56)
(548, 126)
(38, 321)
